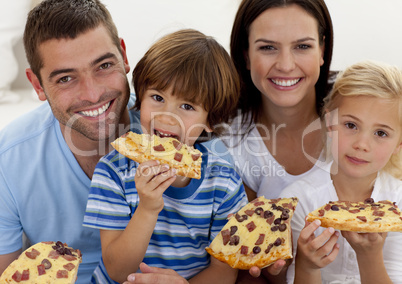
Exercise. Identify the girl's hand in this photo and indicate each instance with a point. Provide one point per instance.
(365, 243)
(313, 252)
(151, 181)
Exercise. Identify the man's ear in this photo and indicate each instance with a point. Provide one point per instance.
(124, 53)
(35, 84)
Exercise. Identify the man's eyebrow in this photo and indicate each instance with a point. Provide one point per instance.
(93, 63)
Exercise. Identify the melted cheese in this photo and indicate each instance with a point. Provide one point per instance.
(248, 239)
(50, 277)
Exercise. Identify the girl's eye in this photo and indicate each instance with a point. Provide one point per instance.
(157, 98)
(64, 79)
(350, 125)
(187, 107)
(381, 133)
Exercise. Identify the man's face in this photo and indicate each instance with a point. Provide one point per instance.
(84, 80)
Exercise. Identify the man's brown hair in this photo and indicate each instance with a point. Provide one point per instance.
(63, 19)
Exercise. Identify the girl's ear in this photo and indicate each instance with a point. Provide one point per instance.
(397, 149)
(330, 121)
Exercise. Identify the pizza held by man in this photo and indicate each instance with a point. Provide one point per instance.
(44, 263)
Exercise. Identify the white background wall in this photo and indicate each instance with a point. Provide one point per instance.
(364, 29)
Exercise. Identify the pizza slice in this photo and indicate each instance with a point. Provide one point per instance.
(367, 216)
(257, 235)
(44, 263)
(143, 147)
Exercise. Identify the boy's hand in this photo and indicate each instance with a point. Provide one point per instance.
(155, 275)
(316, 252)
(151, 181)
(365, 243)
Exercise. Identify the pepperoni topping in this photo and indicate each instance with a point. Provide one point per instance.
(270, 246)
(321, 212)
(62, 274)
(260, 239)
(178, 157)
(41, 269)
(354, 211)
(327, 207)
(271, 219)
(32, 254)
(195, 157)
(25, 275)
(225, 237)
(379, 213)
(17, 276)
(362, 218)
(159, 148)
(258, 203)
(54, 254)
(69, 257)
(251, 226)
(177, 145)
(249, 212)
(69, 266)
(244, 249)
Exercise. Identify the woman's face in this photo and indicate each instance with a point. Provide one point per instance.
(285, 56)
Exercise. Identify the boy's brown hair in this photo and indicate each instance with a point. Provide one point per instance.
(197, 68)
(60, 19)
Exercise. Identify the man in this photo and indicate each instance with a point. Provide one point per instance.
(47, 157)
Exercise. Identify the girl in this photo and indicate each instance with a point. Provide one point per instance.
(364, 119)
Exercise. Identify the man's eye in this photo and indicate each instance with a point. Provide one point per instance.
(64, 79)
(105, 65)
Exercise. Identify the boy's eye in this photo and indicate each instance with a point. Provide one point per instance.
(157, 98)
(381, 133)
(187, 107)
(350, 125)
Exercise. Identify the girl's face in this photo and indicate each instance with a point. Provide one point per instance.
(366, 133)
(284, 55)
(169, 116)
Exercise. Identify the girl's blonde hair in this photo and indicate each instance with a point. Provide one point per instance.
(375, 79)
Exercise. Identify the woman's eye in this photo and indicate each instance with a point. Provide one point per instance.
(187, 107)
(350, 125)
(266, 47)
(381, 133)
(303, 46)
(157, 98)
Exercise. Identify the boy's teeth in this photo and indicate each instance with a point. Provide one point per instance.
(97, 112)
(285, 83)
(160, 134)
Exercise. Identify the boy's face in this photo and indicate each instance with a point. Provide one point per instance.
(366, 135)
(170, 116)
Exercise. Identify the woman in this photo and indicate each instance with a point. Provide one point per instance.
(282, 51)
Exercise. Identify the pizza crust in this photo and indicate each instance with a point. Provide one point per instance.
(138, 147)
(382, 216)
